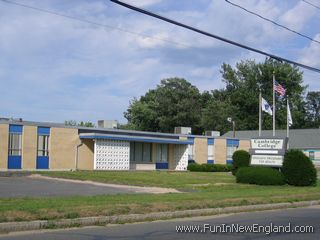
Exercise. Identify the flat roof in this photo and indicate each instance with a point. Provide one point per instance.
(298, 138)
(109, 131)
(134, 138)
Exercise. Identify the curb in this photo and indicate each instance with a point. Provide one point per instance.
(103, 220)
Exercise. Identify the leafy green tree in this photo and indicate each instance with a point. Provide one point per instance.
(313, 109)
(80, 124)
(174, 102)
(241, 94)
(70, 123)
(216, 111)
(86, 124)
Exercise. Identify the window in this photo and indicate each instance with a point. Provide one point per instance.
(43, 145)
(140, 152)
(210, 142)
(162, 153)
(15, 143)
(191, 149)
(311, 155)
(190, 152)
(230, 151)
(232, 146)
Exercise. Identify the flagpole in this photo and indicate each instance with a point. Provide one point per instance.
(287, 117)
(288, 109)
(274, 107)
(260, 120)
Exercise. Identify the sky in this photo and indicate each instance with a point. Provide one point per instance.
(54, 68)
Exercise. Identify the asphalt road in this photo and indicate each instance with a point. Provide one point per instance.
(167, 229)
(29, 187)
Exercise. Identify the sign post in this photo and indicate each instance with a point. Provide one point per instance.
(268, 151)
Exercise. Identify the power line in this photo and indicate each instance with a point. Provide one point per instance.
(214, 36)
(273, 22)
(93, 23)
(311, 4)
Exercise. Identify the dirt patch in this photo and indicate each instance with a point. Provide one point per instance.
(222, 184)
(136, 189)
(200, 185)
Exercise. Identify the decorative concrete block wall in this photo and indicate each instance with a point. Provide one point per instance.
(111, 154)
(181, 157)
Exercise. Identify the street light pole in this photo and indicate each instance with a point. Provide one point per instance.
(234, 128)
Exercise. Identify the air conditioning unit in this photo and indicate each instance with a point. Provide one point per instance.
(212, 133)
(182, 130)
(108, 123)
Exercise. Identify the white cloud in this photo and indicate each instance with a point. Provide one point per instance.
(298, 16)
(311, 54)
(62, 69)
(142, 3)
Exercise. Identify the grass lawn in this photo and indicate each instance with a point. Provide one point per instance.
(202, 190)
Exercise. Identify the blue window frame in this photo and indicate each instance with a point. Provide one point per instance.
(232, 146)
(15, 146)
(229, 161)
(43, 148)
(210, 141)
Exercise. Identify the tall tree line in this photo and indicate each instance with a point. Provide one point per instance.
(176, 102)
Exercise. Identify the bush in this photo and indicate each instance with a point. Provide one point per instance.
(260, 176)
(195, 167)
(298, 169)
(240, 158)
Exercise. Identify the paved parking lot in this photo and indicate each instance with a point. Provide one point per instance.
(29, 187)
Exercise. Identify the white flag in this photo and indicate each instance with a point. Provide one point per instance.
(289, 116)
(266, 107)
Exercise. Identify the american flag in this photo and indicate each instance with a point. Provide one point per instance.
(279, 89)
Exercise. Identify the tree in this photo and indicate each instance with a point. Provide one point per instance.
(216, 111)
(80, 124)
(241, 94)
(174, 102)
(313, 109)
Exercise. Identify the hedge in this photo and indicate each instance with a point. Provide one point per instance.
(260, 176)
(195, 167)
(298, 169)
(240, 158)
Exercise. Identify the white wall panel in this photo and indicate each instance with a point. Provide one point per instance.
(111, 154)
(181, 157)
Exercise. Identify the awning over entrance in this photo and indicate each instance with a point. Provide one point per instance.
(134, 138)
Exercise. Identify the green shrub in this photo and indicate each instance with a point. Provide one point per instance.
(222, 168)
(195, 167)
(298, 169)
(240, 158)
(260, 176)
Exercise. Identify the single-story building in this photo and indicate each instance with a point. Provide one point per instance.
(307, 140)
(26, 145)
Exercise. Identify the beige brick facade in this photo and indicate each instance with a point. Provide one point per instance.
(29, 147)
(4, 141)
(63, 142)
(220, 150)
(86, 155)
(200, 150)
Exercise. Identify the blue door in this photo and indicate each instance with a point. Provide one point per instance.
(43, 148)
(42, 162)
(162, 156)
(14, 162)
(162, 165)
(15, 146)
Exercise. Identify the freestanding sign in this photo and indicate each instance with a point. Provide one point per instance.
(268, 151)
